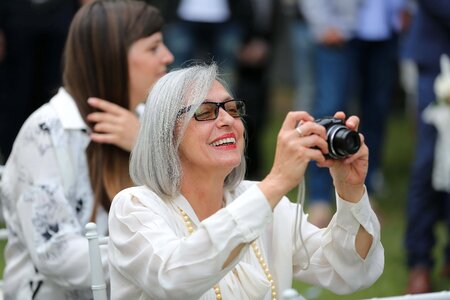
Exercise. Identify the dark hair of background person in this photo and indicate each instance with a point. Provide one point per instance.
(96, 65)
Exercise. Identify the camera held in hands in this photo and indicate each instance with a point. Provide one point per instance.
(342, 142)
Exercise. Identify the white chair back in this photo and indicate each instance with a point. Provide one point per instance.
(3, 232)
(2, 167)
(98, 284)
(291, 294)
(3, 236)
(444, 295)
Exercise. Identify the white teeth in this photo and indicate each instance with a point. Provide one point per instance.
(224, 141)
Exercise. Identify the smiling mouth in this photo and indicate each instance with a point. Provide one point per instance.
(224, 142)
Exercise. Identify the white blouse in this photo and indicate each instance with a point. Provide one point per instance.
(152, 255)
(47, 199)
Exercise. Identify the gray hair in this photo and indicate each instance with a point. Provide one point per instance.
(154, 159)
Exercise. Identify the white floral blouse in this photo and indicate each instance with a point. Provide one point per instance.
(47, 199)
(154, 256)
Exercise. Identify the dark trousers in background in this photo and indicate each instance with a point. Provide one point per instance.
(361, 70)
(425, 206)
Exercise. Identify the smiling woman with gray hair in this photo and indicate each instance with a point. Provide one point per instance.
(194, 228)
(161, 171)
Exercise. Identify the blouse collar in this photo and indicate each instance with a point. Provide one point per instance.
(67, 111)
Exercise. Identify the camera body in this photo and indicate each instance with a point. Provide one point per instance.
(342, 142)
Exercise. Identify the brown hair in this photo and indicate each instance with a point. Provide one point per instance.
(96, 65)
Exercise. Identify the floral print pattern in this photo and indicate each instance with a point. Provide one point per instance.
(47, 202)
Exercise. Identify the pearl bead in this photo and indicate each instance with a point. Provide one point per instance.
(258, 254)
(266, 270)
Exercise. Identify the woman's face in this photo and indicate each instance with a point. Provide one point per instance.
(215, 144)
(147, 62)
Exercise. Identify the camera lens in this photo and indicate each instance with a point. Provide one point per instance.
(346, 141)
(342, 141)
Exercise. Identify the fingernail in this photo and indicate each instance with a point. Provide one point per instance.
(91, 100)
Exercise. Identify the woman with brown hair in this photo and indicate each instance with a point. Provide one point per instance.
(71, 155)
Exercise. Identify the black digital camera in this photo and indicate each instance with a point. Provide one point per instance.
(342, 142)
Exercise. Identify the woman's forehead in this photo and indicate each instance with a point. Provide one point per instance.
(217, 92)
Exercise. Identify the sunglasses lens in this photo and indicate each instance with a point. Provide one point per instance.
(210, 110)
(235, 108)
(205, 111)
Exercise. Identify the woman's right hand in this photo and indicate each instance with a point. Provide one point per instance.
(295, 149)
(113, 124)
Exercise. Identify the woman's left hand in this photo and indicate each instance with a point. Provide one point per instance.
(113, 124)
(350, 173)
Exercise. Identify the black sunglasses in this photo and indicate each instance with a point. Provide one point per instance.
(210, 110)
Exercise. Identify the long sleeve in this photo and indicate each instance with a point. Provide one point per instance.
(43, 216)
(334, 262)
(152, 255)
(150, 247)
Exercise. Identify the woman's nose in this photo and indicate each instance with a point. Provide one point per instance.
(224, 117)
(168, 56)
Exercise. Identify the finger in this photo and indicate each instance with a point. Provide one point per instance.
(363, 150)
(340, 115)
(307, 155)
(352, 123)
(315, 154)
(314, 141)
(294, 117)
(106, 128)
(103, 138)
(355, 157)
(326, 163)
(309, 128)
(106, 106)
(98, 117)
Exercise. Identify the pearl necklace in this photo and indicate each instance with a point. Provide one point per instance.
(259, 256)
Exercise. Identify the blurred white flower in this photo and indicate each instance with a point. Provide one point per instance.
(442, 82)
(438, 115)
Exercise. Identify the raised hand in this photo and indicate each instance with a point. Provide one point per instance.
(350, 173)
(113, 124)
(300, 140)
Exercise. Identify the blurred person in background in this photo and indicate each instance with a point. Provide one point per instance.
(206, 30)
(254, 60)
(34, 33)
(429, 38)
(71, 155)
(356, 51)
(302, 47)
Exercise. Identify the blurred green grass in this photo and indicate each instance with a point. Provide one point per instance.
(2, 258)
(397, 158)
